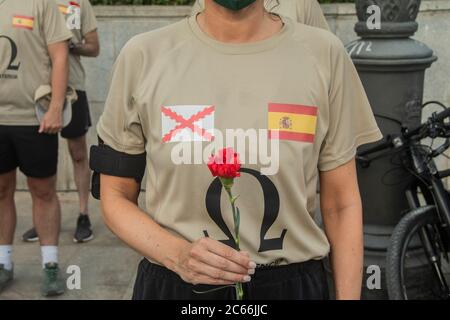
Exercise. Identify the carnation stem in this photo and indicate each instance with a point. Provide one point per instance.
(237, 240)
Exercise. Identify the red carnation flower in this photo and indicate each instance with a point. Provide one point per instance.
(225, 164)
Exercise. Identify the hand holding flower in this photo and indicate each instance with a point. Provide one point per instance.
(226, 165)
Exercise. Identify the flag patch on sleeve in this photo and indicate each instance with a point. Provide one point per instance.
(292, 122)
(187, 123)
(63, 9)
(24, 22)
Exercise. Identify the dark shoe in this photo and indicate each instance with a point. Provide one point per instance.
(30, 236)
(52, 284)
(6, 276)
(83, 233)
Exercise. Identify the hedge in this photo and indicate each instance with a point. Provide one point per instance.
(170, 2)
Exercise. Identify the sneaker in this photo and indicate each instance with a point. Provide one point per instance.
(30, 236)
(83, 233)
(6, 276)
(52, 284)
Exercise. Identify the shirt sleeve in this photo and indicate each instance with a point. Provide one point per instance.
(351, 122)
(119, 125)
(88, 19)
(311, 14)
(53, 24)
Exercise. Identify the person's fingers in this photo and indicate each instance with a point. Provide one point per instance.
(250, 271)
(227, 252)
(216, 273)
(54, 129)
(217, 261)
(41, 127)
(198, 278)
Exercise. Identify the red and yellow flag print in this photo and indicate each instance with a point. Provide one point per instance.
(63, 9)
(292, 122)
(23, 22)
(68, 9)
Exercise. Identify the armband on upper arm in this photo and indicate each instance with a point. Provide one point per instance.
(106, 160)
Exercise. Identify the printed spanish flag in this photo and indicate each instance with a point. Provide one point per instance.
(63, 9)
(23, 22)
(292, 122)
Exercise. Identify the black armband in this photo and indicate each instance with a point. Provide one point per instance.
(106, 160)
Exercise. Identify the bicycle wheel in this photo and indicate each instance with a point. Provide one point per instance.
(410, 273)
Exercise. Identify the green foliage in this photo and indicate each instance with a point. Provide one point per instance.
(171, 2)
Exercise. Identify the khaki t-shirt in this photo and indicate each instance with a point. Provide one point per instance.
(303, 11)
(176, 93)
(81, 20)
(26, 29)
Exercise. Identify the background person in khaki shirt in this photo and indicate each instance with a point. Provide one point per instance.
(84, 43)
(303, 11)
(33, 52)
(182, 88)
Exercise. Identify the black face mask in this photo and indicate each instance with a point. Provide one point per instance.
(235, 5)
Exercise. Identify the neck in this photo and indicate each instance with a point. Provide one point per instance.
(250, 24)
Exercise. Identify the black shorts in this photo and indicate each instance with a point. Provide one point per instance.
(36, 154)
(299, 281)
(81, 118)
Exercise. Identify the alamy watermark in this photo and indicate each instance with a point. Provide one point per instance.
(73, 281)
(373, 281)
(374, 20)
(253, 146)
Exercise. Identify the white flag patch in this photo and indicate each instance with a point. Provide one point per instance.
(187, 123)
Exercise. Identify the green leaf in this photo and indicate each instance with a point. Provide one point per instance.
(233, 200)
(237, 222)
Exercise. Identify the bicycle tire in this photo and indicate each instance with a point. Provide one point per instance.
(407, 226)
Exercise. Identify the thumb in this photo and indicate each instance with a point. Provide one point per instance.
(41, 127)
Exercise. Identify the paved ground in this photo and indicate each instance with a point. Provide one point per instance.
(107, 266)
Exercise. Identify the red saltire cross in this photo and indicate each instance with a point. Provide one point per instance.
(187, 123)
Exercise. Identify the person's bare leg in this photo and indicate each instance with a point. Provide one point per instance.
(47, 221)
(7, 207)
(82, 175)
(46, 209)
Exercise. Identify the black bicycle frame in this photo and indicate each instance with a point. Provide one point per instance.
(429, 182)
(431, 186)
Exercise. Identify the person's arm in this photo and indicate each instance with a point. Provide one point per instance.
(341, 209)
(90, 47)
(52, 121)
(205, 261)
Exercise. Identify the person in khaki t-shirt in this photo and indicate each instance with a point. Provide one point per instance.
(81, 20)
(288, 98)
(303, 11)
(33, 53)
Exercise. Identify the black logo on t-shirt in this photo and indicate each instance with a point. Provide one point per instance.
(271, 210)
(13, 65)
